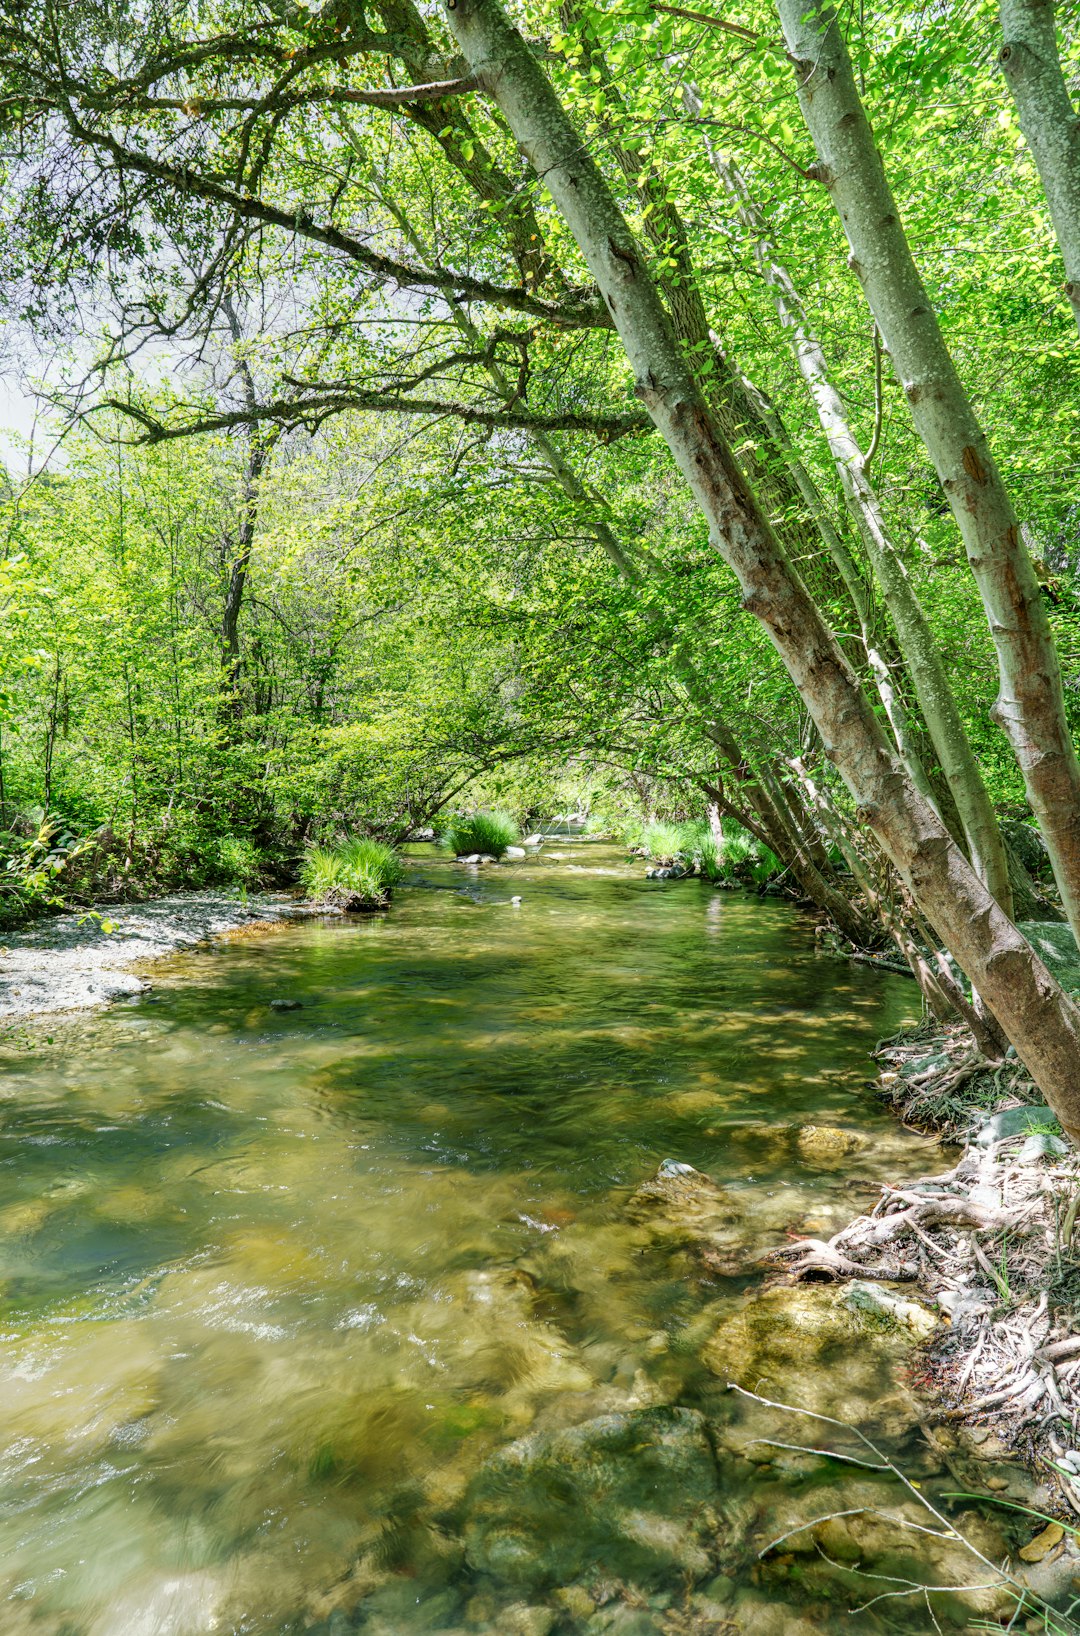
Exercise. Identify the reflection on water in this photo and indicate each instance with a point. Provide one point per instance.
(346, 1317)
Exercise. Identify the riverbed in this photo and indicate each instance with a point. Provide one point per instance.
(335, 1298)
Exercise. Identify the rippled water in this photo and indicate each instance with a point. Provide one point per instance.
(280, 1285)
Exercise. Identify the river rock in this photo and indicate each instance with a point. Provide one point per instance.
(800, 1345)
(286, 1005)
(1043, 1146)
(631, 1494)
(827, 1144)
(683, 1203)
(1015, 1122)
(533, 840)
(515, 852)
(1028, 844)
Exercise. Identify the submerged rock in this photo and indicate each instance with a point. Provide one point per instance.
(680, 1199)
(683, 1206)
(888, 1306)
(828, 1144)
(628, 1494)
(800, 1344)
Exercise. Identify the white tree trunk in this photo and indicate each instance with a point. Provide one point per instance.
(918, 644)
(1030, 705)
(1035, 1013)
(1048, 120)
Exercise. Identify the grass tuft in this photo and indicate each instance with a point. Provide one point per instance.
(490, 832)
(356, 875)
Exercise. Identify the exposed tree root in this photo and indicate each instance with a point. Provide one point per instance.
(991, 1241)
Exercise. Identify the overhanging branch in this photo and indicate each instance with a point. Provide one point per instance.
(312, 410)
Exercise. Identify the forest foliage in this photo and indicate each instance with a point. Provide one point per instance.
(368, 492)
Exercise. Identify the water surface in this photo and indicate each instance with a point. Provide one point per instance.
(280, 1285)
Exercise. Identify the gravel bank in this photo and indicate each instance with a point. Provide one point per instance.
(69, 963)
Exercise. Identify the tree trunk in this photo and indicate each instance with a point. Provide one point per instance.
(633, 565)
(766, 450)
(1048, 120)
(236, 554)
(918, 644)
(1037, 1016)
(1030, 705)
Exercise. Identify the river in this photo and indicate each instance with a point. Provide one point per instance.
(351, 1317)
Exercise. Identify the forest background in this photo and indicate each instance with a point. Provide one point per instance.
(354, 509)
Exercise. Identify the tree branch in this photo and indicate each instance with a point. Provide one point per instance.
(313, 410)
(586, 312)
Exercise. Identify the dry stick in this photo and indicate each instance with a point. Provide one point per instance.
(950, 1531)
(1000, 963)
(1029, 59)
(1030, 705)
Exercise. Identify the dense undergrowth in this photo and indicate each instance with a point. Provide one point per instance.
(734, 858)
(46, 865)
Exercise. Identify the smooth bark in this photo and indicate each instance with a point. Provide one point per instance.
(1039, 1019)
(1030, 705)
(1031, 65)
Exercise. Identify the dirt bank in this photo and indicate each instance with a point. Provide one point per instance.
(73, 963)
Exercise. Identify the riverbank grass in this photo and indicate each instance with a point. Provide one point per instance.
(355, 875)
(482, 832)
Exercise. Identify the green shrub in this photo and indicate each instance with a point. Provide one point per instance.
(237, 860)
(765, 865)
(31, 864)
(490, 832)
(356, 875)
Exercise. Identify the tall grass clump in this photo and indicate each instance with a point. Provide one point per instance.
(663, 840)
(355, 875)
(490, 832)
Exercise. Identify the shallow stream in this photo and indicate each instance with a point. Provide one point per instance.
(351, 1317)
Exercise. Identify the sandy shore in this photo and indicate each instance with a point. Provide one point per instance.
(69, 963)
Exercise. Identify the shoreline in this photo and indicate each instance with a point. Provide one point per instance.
(70, 963)
(988, 1243)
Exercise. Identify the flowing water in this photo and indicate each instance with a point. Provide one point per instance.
(351, 1317)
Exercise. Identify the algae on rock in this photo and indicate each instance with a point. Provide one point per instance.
(635, 1492)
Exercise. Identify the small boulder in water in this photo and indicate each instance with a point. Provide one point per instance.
(636, 1490)
(827, 1144)
(682, 1206)
(286, 1005)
